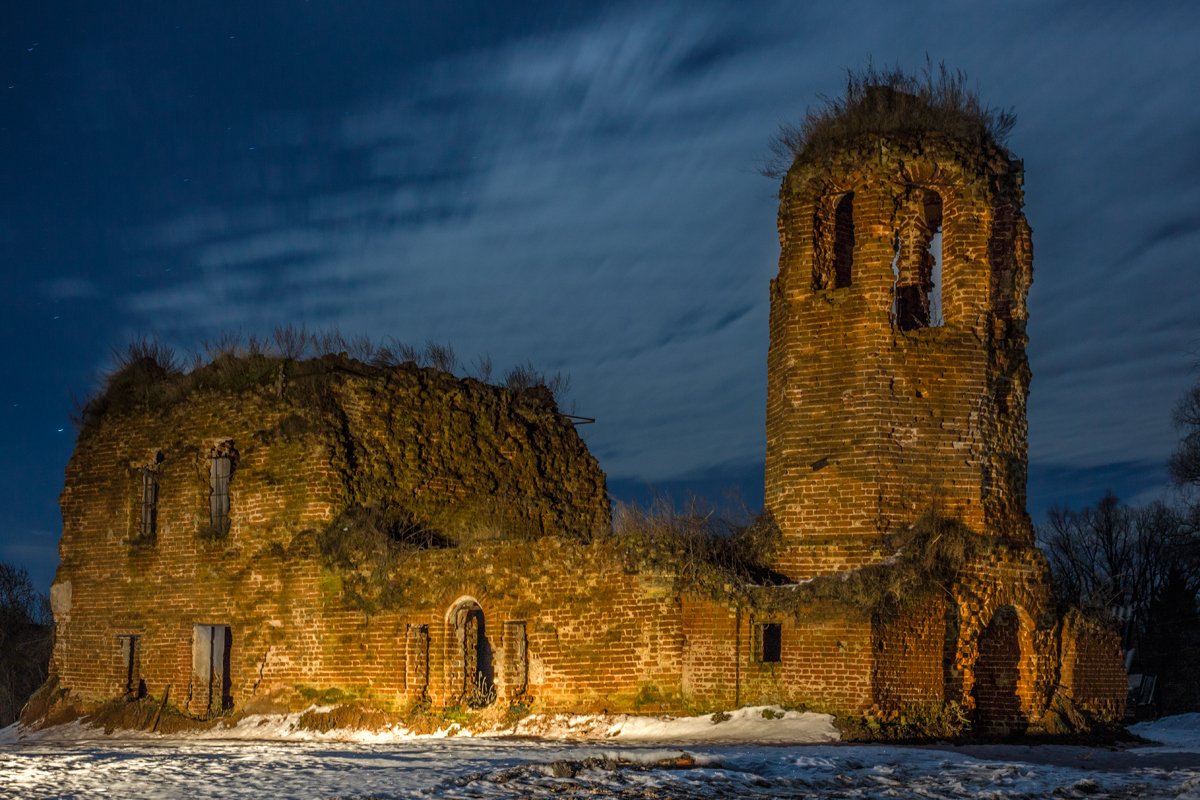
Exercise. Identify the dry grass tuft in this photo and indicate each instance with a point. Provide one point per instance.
(892, 101)
(149, 375)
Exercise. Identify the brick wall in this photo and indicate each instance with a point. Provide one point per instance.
(487, 468)
(869, 425)
(1091, 672)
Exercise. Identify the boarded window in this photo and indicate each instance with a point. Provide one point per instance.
(130, 680)
(220, 469)
(148, 527)
(210, 669)
(770, 649)
(833, 242)
(917, 263)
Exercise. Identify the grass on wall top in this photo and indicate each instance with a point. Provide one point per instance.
(891, 101)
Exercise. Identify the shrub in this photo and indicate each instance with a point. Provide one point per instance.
(926, 556)
(727, 558)
(705, 550)
(919, 723)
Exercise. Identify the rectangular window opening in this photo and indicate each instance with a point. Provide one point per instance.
(131, 683)
(218, 500)
(771, 644)
(148, 527)
(516, 658)
(416, 677)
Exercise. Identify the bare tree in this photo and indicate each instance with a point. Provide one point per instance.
(26, 638)
(1116, 560)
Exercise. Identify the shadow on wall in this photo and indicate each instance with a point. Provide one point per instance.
(999, 683)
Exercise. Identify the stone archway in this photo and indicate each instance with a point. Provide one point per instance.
(472, 671)
(1002, 685)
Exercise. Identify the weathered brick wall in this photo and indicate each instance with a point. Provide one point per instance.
(460, 456)
(912, 648)
(1091, 667)
(826, 664)
(825, 655)
(1003, 688)
(1007, 580)
(867, 424)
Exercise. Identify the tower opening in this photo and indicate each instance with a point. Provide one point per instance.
(917, 263)
(833, 242)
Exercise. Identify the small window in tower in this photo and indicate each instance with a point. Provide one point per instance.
(220, 469)
(770, 649)
(843, 240)
(148, 526)
(917, 263)
(833, 242)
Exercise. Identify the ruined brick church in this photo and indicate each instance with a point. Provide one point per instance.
(329, 531)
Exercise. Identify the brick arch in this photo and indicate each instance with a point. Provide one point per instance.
(1003, 685)
(469, 658)
(833, 241)
(917, 269)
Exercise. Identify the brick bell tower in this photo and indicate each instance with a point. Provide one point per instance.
(897, 378)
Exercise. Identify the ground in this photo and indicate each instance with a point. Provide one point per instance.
(77, 762)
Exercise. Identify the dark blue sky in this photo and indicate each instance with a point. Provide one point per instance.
(572, 184)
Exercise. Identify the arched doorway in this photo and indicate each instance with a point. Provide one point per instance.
(471, 662)
(1001, 686)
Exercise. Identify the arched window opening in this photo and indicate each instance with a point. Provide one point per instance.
(833, 242)
(474, 656)
(917, 263)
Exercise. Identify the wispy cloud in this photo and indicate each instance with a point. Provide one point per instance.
(588, 200)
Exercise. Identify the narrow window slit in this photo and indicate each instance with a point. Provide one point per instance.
(131, 684)
(148, 525)
(220, 469)
(833, 242)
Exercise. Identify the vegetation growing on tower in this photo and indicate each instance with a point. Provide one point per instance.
(892, 101)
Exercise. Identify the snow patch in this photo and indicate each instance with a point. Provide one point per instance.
(765, 724)
(1180, 730)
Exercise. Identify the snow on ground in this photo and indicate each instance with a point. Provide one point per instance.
(1181, 730)
(760, 724)
(455, 767)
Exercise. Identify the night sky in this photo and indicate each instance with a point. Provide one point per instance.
(575, 185)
